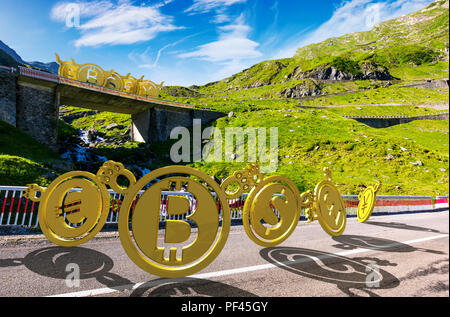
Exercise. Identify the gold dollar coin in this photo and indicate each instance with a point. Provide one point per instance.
(276, 202)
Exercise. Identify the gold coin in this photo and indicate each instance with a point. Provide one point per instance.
(330, 208)
(91, 73)
(73, 209)
(280, 213)
(161, 257)
(366, 204)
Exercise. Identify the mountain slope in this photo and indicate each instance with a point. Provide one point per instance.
(402, 48)
(9, 57)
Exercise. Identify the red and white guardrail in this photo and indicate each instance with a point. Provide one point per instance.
(19, 211)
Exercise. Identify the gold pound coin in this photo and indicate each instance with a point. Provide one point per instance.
(329, 207)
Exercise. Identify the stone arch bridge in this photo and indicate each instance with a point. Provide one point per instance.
(30, 100)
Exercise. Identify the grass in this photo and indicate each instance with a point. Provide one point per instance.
(355, 153)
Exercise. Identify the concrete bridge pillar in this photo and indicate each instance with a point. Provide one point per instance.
(8, 97)
(155, 124)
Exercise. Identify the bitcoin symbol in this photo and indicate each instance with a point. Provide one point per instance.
(276, 201)
(367, 202)
(93, 74)
(73, 209)
(202, 250)
(329, 207)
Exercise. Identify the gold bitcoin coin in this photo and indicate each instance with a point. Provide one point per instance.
(367, 201)
(329, 207)
(276, 202)
(73, 209)
(91, 73)
(179, 252)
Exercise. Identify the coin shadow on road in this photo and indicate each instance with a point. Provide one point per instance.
(188, 287)
(53, 262)
(353, 276)
(351, 242)
(397, 225)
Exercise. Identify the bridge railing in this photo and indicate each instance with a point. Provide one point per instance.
(16, 210)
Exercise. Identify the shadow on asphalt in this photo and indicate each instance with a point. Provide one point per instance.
(397, 225)
(188, 287)
(353, 276)
(351, 242)
(53, 261)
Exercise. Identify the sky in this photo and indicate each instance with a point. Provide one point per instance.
(183, 42)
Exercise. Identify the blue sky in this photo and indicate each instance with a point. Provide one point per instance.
(183, 42)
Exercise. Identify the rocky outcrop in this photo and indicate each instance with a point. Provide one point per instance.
(371, 70)
(178, 91)
(305, 89)
(328, 73)
(368, 71)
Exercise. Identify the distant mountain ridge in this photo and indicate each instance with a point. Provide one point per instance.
(9, 57)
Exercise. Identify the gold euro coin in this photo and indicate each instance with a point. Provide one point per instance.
(73, 209)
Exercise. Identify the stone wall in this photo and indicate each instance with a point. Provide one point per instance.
(8, 97)
(388, 122)
(37, 113)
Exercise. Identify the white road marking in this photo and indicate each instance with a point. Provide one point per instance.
(107, 290)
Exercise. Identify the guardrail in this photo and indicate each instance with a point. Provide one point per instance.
(16, 210)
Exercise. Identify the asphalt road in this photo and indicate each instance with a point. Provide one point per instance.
(396, 255)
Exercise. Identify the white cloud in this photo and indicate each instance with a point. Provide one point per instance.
(121, 23)
(231, 53)
(353, 16)
(144, 61)
(232, 45)
(203, 6)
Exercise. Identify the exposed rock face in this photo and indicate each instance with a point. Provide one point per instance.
(369, 71)
(302, 90)
(178, 91)
(328, 73)
(373, 71)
